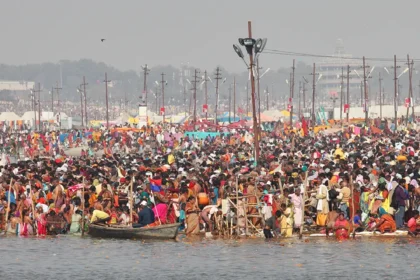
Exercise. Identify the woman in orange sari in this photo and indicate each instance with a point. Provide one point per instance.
(193, 221)
(385, 222)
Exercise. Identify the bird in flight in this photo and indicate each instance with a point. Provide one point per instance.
(103, 40)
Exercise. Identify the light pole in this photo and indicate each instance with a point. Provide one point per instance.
(252, 46)
(79, 91)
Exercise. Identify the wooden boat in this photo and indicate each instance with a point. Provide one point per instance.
(158, 232)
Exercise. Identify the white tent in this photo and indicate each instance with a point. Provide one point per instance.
(30, 116)
(9, 116)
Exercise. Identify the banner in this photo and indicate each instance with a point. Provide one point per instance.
(162, 111)
(205, 108)
(346, 108)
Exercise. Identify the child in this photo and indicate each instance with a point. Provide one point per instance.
(114, 216)
(357, 221)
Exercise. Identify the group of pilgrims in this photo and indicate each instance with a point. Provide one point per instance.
(340, 182)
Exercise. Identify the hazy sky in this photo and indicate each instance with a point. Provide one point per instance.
(162, 32)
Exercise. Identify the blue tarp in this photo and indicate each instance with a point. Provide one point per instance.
(203, 135)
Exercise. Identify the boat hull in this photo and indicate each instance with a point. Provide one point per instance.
(158, 232)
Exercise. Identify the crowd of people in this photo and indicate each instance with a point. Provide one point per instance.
(347, 181)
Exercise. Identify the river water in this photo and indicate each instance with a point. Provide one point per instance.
(68, 257)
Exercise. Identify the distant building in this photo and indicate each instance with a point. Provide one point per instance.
(330, 69)
(16, 85)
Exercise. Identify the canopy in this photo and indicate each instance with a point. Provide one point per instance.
(9, 116)
(285, 113)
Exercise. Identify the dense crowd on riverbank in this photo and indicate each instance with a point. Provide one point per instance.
(351, 180)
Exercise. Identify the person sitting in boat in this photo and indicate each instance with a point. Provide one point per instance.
(160, 211)
(146, 215)
(385, 222)
(414, 224)
(342, 227)
(98, 216)
(124, 216)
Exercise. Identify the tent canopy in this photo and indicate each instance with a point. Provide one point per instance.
(9, 116)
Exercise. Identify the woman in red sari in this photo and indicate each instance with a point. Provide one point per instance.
(41, 222)
(342, 227)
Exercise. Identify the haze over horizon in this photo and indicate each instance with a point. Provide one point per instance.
(201, 33)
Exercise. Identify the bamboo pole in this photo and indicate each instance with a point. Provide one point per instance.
(352, 205)
(8, 204)
(33, 209)
(237, 210)
(303, 204)
(83, 206)
(131, 202)
(281, 186)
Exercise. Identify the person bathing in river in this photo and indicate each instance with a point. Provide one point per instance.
(342, 227)
(270, 225)
(193, 220)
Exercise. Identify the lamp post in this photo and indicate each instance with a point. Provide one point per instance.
(79, 91)
(252, 47)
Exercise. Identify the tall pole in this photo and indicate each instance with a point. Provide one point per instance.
(411, 91)
(304, 95)
(163, 97)
(348, 93)
(267, 93)
(156, 99)
(395, 92)
(380, 95)
(255, 123)
(58, 95)
(299, 99)
(234, 98)
(79, 90)
(33, 105)
(185, 100)
(292, 91)
(361, 94)
(39, 106)
(57, 88)
(84, 94)
(217, 78)
(195, 96)
(230, 102)
(259, 96)
(366, 94)
(52, 100)
(313, 99)
(205, 88)
(247, 98)
(341, 96)
(410, 88)
(106, 100)
(145, 73)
